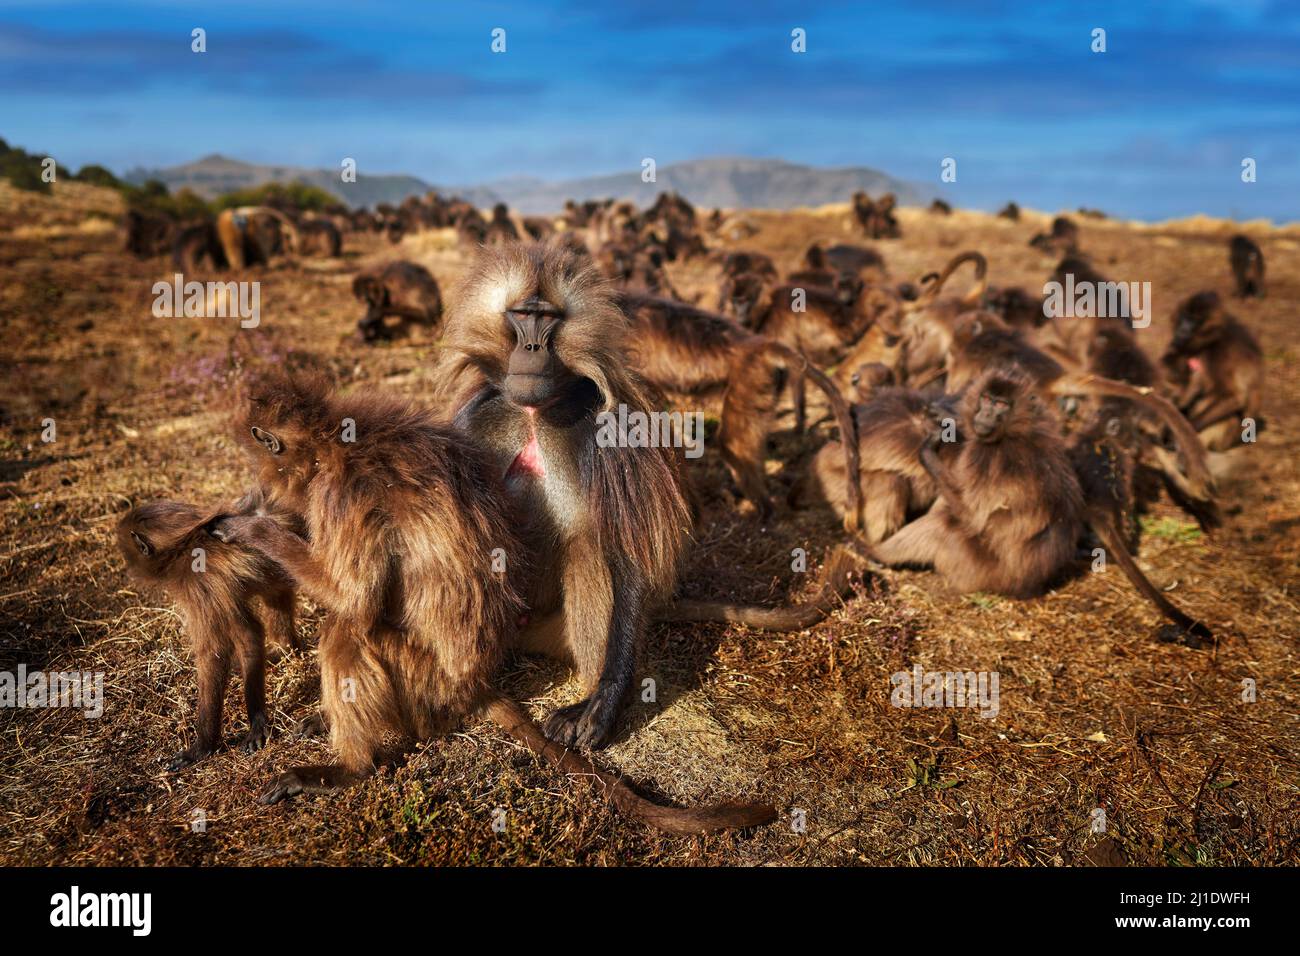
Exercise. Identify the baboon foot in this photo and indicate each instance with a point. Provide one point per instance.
(588, 723)
(259, 732)
(191, 754)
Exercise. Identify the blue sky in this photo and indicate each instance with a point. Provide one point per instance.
(1157, 126)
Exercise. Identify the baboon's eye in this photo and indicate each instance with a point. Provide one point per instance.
(267, 440)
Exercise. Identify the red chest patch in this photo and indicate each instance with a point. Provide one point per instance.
(1194, 364)
(528, 461)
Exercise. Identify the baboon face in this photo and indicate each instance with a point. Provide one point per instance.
(988, 421)
(534, 373)
(746, 291)
(1192, 315)
(1001, 403)
(537, 320)
(848, 288)
(287, 426)
(868, 379)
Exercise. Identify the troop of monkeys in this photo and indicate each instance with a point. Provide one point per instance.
(977, 435)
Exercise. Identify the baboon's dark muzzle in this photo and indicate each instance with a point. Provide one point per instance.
(532, 373)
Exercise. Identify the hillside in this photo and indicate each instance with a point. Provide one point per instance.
(729, 182)
(216, 174)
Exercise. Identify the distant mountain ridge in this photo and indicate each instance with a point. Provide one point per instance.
(729, 182)
(214, 175)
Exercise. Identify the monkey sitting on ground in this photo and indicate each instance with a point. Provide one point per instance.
(1247, 266)
(416, 557)
(744, 296)
(1062, 240)
(1009, 511)
(894, 426)
(319, 237)
(1106, 466)
(686, 350)
(214, 583)
(251, 235)
(1218, 367)
(398, 289)
(980, 341)
(196, 245)
(538, 351)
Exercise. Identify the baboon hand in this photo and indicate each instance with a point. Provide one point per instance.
(243, 529)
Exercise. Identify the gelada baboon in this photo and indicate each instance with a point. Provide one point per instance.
(196, 245)
(537, 347)
(319, 237)
(1218, 367)
(980, 341)
(1103, 459)
(922, 328)
(501, 229)
(418, 562)
(689, 351)
(1247, 266)
(1009, 511)
(401, 290)
(214, 583)
(1062, 240)
(250, 235)
(894, 426)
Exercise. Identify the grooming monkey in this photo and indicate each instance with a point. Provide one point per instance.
(894, 426)
(686, 350)
(418, 562)
(980, 341)
(1009, 509)
(163, 543)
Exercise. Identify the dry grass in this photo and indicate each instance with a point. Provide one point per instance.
(1094, 712)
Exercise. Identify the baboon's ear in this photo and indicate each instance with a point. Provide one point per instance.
(1112, 427)
(145, 547)
(267, 440)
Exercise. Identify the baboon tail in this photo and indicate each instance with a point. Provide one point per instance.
(683, 821)
(1189, 443)
(836, 579)
(931, 292)
(802, 371)
(1105, 529)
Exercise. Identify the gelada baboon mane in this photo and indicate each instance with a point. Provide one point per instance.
(591, 340)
